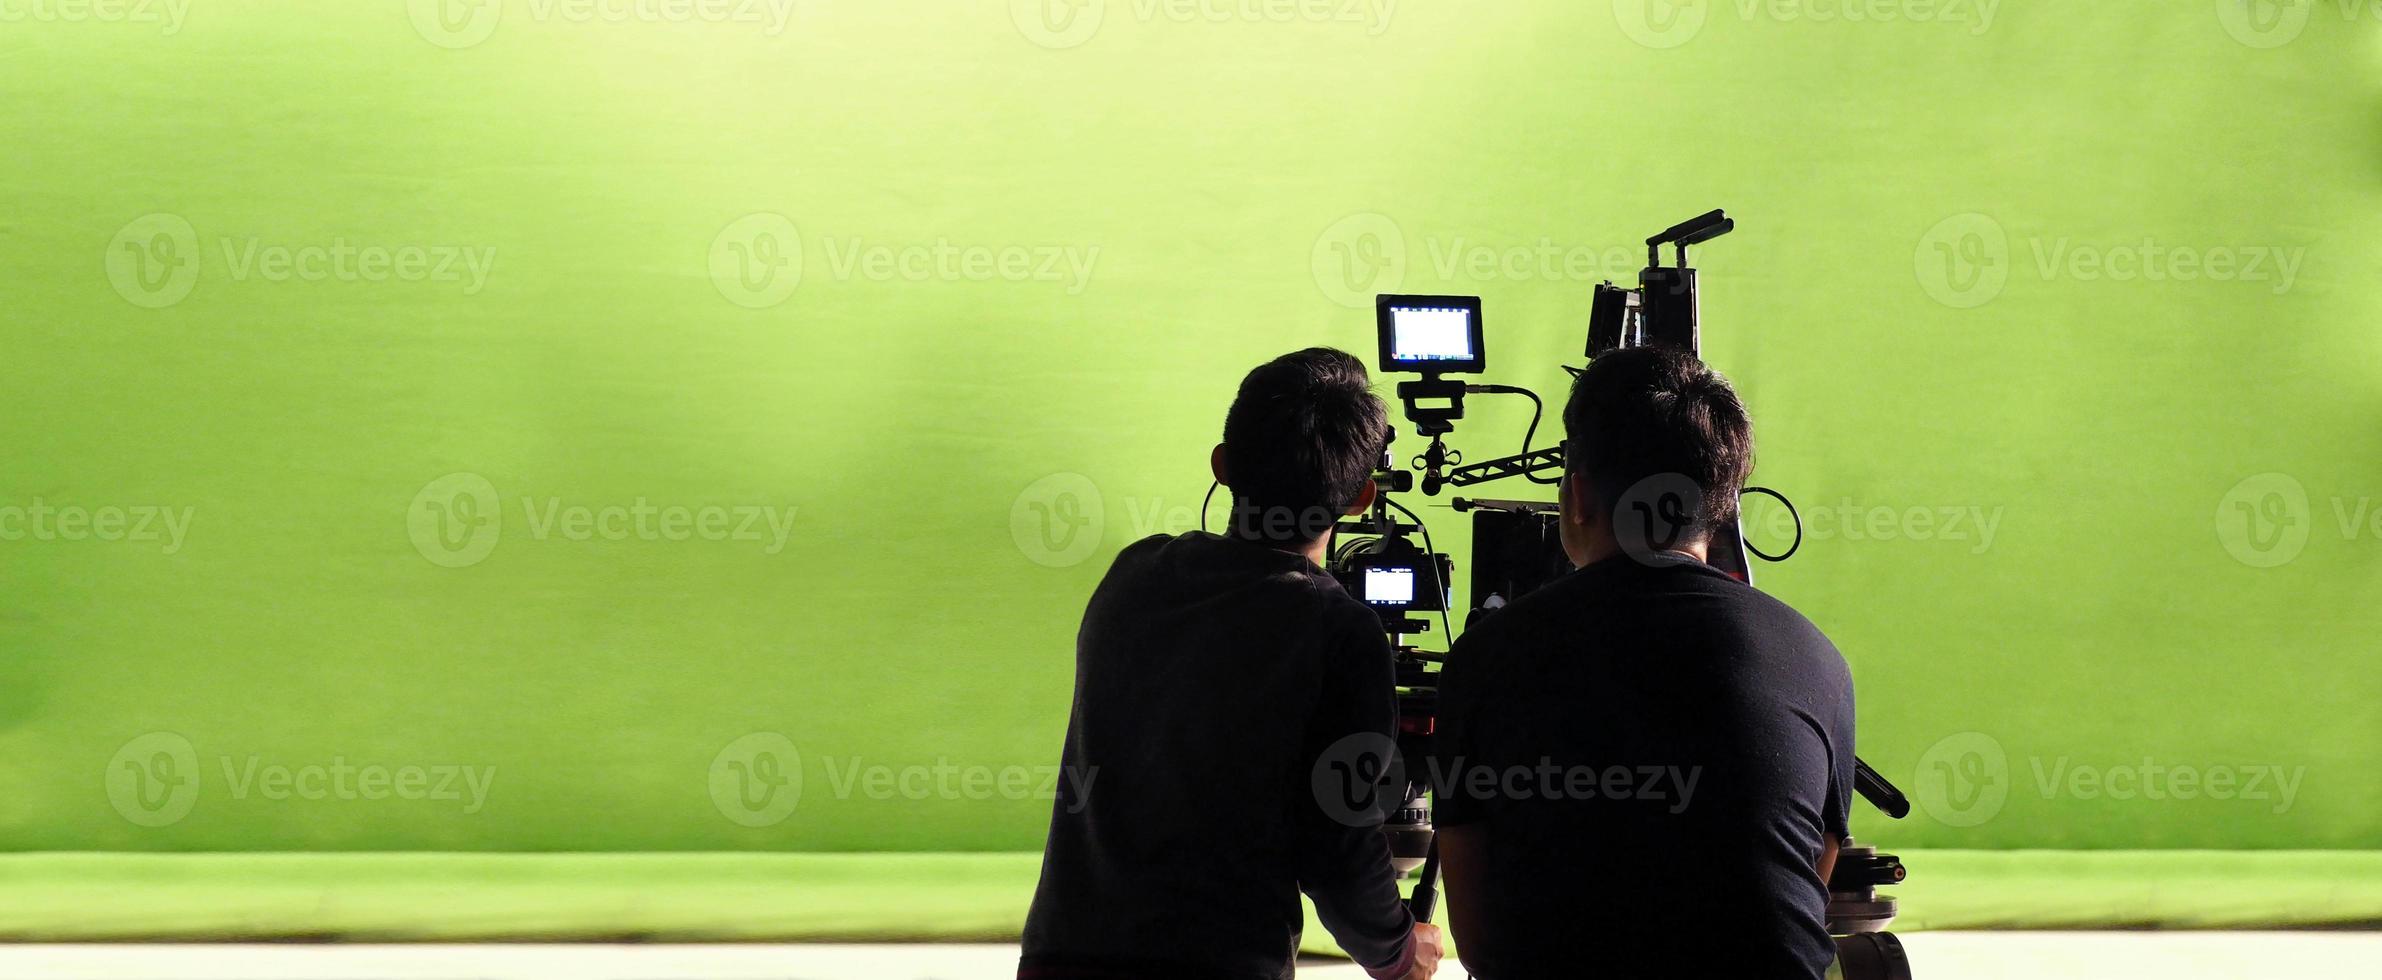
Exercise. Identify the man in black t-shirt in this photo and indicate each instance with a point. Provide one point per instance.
(1214, 675)
(1644, 767)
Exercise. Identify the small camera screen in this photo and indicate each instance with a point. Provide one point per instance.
(1427, 333)
(1389, 586)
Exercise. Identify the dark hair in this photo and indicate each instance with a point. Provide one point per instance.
(1644, 415)
(1300, 440)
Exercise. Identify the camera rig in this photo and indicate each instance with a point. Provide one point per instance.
(1516, 548)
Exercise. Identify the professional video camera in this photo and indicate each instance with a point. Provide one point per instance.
(1516, 548)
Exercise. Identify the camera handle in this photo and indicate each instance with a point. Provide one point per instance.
(1436, 421)
(1425, 901)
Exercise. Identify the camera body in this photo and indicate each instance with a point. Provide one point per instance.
(1398, 581)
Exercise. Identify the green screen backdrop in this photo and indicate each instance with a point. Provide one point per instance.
(654, 427)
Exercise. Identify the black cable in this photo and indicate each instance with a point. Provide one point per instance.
(1538, 411)
(1791, 512)
(1445, 625)
(1203, 503)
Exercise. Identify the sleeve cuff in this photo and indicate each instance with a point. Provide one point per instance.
(1396, 968)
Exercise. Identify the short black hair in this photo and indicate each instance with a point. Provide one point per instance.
(1644, 413)
(1300, 441)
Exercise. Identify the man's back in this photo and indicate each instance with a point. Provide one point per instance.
(1210, 674)
(1655, 753)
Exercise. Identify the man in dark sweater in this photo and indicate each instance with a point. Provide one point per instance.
(1647, 751)
(1212, 673)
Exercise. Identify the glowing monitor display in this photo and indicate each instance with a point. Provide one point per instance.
(1389, 586)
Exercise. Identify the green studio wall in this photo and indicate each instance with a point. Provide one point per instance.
(594, 431)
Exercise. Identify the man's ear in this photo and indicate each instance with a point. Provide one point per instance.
(1578, 500)
(1216, 465)
(1364, 498)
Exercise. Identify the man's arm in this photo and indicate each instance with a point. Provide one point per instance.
(1344, 860)
(1463, 866)
(1463, 836)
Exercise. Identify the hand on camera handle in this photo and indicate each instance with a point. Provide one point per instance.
(1429, 947)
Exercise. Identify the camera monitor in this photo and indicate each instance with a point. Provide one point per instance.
(1430, 334)
(1389, 586)
(1397, 583)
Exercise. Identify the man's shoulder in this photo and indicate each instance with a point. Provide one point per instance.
(1241, 572)
(1609, 601)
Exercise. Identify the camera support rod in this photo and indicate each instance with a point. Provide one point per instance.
(1548, 461)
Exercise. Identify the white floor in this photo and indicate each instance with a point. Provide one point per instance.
(1934, 956)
